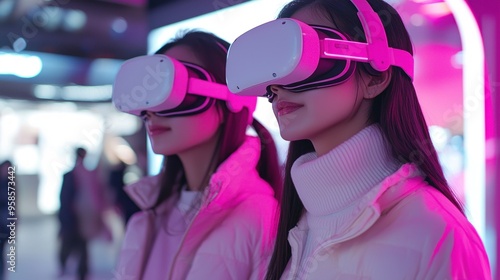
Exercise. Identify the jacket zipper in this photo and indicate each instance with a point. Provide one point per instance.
(204, 204)
(331, 242)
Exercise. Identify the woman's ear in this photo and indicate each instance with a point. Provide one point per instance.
(377, 84)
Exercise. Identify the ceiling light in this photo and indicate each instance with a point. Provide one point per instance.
(23, 66)
(74, 20)
(119, 25)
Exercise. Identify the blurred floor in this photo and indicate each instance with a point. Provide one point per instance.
(37, 246)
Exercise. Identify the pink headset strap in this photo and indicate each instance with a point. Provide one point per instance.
(379, 53)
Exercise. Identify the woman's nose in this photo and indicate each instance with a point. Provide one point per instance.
(275, 89)
(146, 115)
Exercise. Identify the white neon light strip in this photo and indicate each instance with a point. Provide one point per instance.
(473, 114)
(23, 66)
(226, 23)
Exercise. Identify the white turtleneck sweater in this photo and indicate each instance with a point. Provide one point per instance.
(367, 216)
(330, 186)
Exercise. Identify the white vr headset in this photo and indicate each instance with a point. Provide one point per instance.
(162, 85)
(288, 52)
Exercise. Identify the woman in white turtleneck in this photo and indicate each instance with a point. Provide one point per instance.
(364, 195)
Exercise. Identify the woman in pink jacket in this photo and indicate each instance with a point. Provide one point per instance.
(364, 193)
(211, 213)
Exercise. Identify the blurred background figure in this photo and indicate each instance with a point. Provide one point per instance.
(4, 212)
(122, 201)
(80, 215)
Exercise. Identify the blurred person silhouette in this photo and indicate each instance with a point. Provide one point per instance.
(126, 206)
(80, 215)
(211, 212)
(6, 180)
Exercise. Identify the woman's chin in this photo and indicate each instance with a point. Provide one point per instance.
(162, 150)
(290, 135)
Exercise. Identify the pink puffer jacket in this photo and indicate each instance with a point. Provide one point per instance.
(232, 235)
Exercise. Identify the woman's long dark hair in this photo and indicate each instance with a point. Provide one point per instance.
(212, 52)
(396, 110)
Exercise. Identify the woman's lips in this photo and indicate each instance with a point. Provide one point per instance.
(157, 130)
(284, 107)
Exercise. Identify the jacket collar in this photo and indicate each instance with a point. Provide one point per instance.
(230, 178)
(368, 209)
(144, 192)
(236, 167)
(335, 181)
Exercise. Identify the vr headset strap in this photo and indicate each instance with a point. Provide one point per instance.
(341, 49)
(221, 92)
(358, 51)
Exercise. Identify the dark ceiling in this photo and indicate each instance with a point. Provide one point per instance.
(69, 35)
(81, 28)
(111, 28)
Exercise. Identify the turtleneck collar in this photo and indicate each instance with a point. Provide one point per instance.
(331, 183)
